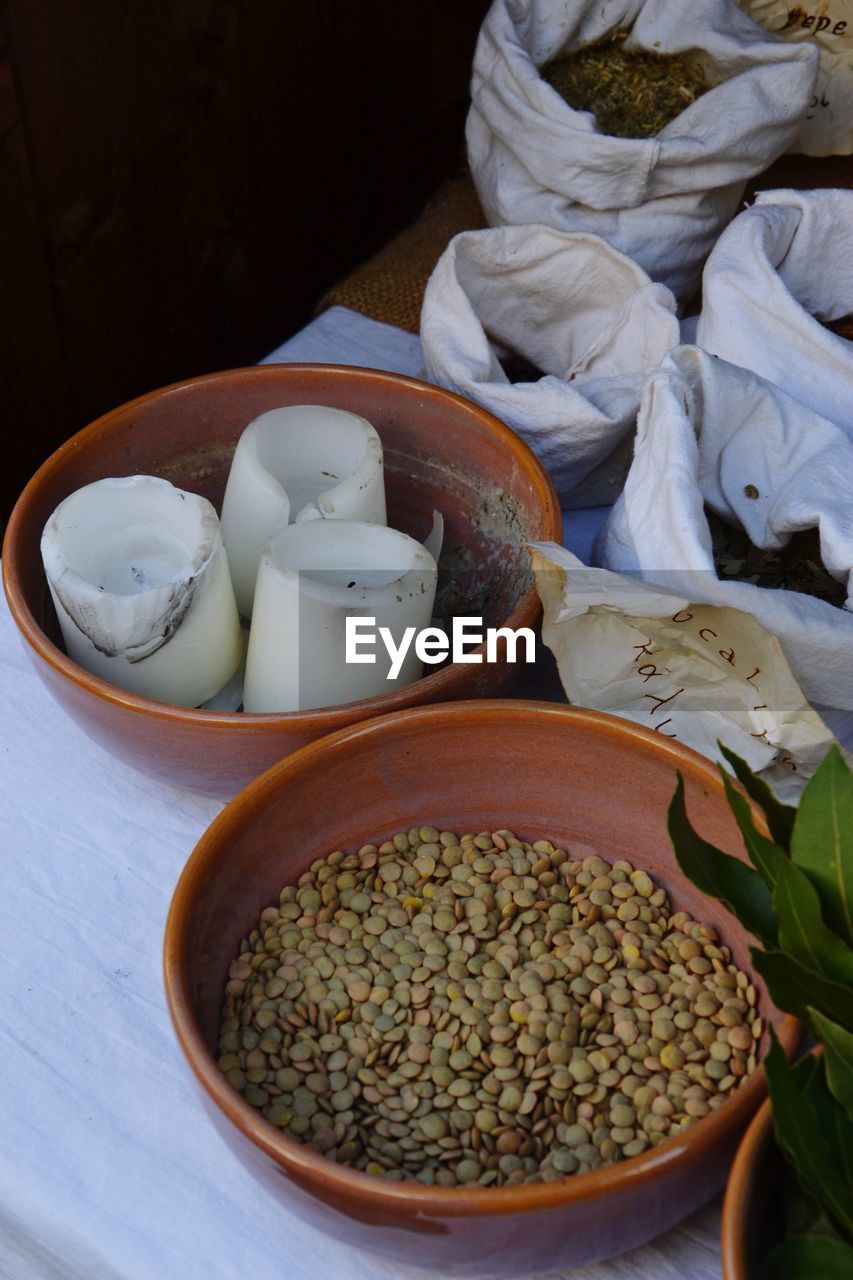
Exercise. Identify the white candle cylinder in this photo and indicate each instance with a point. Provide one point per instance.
(139, 578)
(230, 696)
(311, 578)
(302, 462)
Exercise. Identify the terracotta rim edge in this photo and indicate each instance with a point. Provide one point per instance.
(308, 1166)
(737, 1200)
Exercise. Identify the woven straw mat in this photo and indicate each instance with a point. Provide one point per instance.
(390, 286)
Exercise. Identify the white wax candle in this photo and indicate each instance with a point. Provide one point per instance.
(230, 696)
(139, 578)
(311, 578)
(302, 462)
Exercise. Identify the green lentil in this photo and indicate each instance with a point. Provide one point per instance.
(477, 1010)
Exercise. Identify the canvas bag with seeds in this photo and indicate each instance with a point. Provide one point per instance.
(662, 200)
(779, 271)
(710, 433)
(576, 309)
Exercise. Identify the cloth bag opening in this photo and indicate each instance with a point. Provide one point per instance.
(711, 433)
(575, 309)
(661, 200)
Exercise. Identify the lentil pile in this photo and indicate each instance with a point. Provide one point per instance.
(479, 1010)
(632, 93)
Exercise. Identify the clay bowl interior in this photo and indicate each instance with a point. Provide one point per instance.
(542, 770)
(441, 452)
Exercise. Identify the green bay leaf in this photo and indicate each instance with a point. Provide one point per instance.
(795, 988)
(780, 817)
(802, 932)
(800, 1135)
(766, 856)
(837, 1044)
(737, 885)
(808, 1258)
(833, 1121)
(822, 840)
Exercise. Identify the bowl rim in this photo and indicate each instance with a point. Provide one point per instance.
(436, 685)
(740, 1189)
(307, 1166)
(737, 1201)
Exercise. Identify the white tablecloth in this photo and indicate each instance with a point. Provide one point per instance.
(109, 1169)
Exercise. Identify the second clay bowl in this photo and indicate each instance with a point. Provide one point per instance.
(544, 771)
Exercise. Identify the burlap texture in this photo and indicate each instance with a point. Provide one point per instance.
(390, 285)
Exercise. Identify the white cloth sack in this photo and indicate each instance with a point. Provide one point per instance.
(706, 433)
(575, 308)
(662, 200)
(778, 269)
(828, 126)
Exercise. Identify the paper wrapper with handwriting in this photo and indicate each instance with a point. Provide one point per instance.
(828, 125)
(695, 672)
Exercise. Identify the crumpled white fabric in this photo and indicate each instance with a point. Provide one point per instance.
(706, 432)
(662, 200)
(575, 308)
(779, 269)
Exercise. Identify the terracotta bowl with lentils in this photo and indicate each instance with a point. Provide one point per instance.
(537, 846)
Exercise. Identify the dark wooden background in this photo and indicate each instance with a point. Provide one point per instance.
(180, 181)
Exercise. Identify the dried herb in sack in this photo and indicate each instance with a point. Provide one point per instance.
(795, 567)
(632, 93)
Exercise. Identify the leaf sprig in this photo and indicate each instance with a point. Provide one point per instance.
(796, 898)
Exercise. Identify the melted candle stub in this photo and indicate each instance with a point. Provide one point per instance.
(299, 463)
(314, 576)
(139, 579)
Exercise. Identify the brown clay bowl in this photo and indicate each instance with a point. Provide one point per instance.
(752, 1222)
(543, 770)
(753, 1183)
(440, 452)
